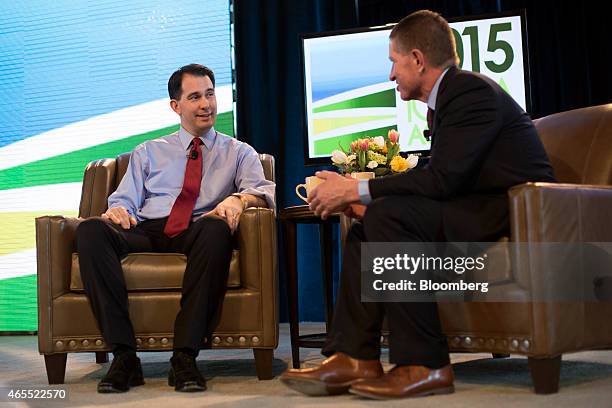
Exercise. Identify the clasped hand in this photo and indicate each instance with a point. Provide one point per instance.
(333, 195)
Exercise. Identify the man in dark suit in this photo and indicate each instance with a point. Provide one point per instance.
(482, 144)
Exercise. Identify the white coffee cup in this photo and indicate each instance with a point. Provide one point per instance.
(363, 175)
(311, 183)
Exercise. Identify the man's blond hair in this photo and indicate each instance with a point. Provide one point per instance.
(429, 32)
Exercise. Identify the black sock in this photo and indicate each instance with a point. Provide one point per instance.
(186, 350)
(119, 349)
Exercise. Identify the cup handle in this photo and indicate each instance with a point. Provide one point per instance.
(297, 191)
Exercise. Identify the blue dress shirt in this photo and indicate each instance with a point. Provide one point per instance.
(154, 177)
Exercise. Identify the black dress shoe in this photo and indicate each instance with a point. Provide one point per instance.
(125, 371)
(184, 375)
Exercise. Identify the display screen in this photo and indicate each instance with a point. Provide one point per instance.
(348, 94)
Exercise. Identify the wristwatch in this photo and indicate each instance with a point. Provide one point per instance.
(244, 201)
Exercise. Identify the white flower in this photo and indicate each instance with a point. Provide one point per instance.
(372, 164)
(339, 157)
(413, 159)
(379, 141)
(351, 158)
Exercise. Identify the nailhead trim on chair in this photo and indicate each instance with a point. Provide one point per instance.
(491, 343)
(156, 342)
(165, 342)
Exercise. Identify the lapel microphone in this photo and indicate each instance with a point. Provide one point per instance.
(193, 155)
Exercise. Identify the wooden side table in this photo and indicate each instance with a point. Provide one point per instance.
(290, 217)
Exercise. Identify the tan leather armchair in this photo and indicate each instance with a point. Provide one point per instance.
(249, 313)
(579, 145)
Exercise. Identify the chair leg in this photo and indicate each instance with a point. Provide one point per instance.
(263, 363)
(545, 374)
(101, 357)
(56, 367)
(500, 355)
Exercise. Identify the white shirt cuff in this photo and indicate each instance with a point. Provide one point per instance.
(364, 192)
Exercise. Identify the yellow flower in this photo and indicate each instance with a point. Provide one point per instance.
(399, 164)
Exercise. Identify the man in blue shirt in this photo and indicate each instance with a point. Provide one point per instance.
(181, 193)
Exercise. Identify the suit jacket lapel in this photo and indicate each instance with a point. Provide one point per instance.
(452, 71)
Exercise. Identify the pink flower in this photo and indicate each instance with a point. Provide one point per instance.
(364, 145)
(353, 146)
(393, 136)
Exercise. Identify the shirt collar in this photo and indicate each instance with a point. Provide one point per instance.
(433, 96)
(208, 138)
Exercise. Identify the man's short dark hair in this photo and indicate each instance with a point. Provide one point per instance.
(429, 32)
(176, 79)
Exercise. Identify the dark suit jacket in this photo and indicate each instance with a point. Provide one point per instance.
(482, 144)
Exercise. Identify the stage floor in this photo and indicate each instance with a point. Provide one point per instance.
(586, 380)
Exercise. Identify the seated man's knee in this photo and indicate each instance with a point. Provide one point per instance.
(377, 211)
(90, 234)
(90, 227)
(214, 227)
(355, 233)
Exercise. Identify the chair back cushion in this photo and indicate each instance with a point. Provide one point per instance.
(579, 144)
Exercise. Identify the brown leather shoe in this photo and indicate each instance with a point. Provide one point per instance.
(334, 376)
(407, 381)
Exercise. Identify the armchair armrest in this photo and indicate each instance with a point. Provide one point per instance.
(55, 243)
(550, 221)
(551, 212)
(546, 216)
(256, 238)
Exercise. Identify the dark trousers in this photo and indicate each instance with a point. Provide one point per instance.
(207, 243)
(415, 336)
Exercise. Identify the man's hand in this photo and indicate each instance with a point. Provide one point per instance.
(333, 195)
(356, 211)
(119, 215)
(230, 210)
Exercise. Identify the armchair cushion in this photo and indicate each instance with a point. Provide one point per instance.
(154, 271)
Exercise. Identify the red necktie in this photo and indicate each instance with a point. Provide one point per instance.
(179, 218)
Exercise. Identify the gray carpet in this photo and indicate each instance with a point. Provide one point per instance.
(586, 380)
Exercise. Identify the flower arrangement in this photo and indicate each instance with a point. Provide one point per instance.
(375, 154)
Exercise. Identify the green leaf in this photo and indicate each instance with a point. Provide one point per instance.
(381, 171)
